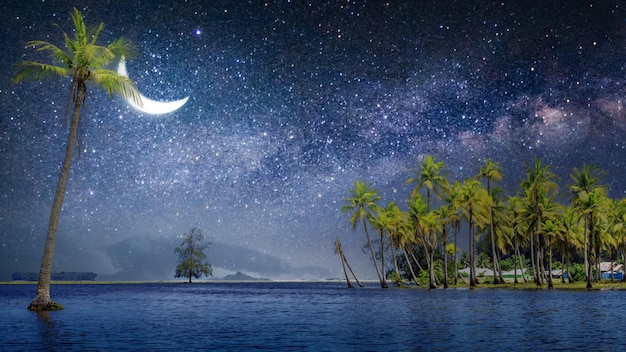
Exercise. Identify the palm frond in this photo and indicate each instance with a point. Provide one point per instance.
(94, 32)
(36, 70)
(122, 47)
(79, 24)
(93, 57)
(54, 52)
(114, 83)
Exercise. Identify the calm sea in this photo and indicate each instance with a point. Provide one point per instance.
(311, 317)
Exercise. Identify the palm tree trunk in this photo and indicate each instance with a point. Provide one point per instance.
(473, 279)
(532, 256)
(586, 249)
(42, 300)
(383, 284)
(456, 257)
(408, 262)
(344, 259)
(419, 266)
(345, 272)
(395, 259)
(550, 284)
(515, 251)
(382, 259)
(445, 258)
(496, 280)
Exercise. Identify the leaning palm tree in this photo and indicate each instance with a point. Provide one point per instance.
(363, 201)
(344, 264)
(81, 62)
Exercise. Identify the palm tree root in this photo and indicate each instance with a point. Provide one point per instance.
(39, 307)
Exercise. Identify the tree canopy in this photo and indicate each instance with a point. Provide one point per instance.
(192, 262)
(525, 230)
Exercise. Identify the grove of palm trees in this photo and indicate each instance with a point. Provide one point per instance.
(541, 227)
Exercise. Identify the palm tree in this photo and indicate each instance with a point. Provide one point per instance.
(515, 221)
(572, 239)
(430, 175)
(539, 183)
(473, 202)
(430, 225)
(619, 227)
(492, 171)
(394, 223)
(446, 215)
(552, 229)
(452, 197)
(501, 224)
(344, 263)
(406, 237)
(589, 199)
(418, 209)
(363, 201)
(82, 62)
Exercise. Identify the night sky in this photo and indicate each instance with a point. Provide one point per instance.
(290, 103)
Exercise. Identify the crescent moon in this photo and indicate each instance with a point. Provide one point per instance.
(150, 106)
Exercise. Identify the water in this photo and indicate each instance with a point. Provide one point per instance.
(310, 316)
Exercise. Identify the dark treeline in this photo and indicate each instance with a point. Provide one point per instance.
(62, 276)
(531, 231)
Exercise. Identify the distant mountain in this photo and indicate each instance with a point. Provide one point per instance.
(239, 276)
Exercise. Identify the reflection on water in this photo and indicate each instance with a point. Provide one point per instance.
(312, 316)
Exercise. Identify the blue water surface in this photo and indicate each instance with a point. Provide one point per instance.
(310, 316)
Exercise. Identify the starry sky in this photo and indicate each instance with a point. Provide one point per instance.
(290, 103)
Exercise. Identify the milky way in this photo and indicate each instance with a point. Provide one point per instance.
(290, 103)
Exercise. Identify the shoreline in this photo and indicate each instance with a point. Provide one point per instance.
(531, 286)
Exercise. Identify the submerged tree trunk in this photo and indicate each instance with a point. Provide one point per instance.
(43, 300)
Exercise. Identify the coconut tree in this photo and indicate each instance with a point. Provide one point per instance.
(446, 216)
(430, 226)
(362, 201)
(491, 171)
(572, 239)
(619, 227)
(452, 199)
(502, 233)
(81, 61)
(593, 207)
(540, 182)
(473, 201)
(431, 176)
(344, 264)
(514, 210)
(552, 229)
(418, 209)
(394, 224)
(406, 237)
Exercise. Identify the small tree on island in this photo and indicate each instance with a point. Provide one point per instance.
(191, 258)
